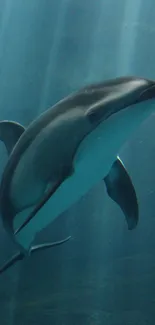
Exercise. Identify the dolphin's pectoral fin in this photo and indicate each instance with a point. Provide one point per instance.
(121, 190)
(10, 132)
(48, 245)
(15, 258)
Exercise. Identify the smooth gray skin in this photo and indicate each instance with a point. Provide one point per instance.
(67, 124)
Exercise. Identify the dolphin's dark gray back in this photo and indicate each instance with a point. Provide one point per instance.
(86, 99)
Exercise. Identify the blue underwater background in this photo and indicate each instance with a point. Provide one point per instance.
(106, 274)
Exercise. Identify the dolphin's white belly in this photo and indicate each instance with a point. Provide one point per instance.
(92, 163)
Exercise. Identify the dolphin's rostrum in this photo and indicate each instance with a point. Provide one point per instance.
(67, 150)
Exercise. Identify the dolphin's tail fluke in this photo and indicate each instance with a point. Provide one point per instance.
(20, 256)
(48, 245)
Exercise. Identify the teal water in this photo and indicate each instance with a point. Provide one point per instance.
(105, 274)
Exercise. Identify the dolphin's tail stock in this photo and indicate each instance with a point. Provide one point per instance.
(15, 258)
(20, 256)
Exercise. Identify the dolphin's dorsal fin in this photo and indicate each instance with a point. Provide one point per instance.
(121, 190)
(10, 132)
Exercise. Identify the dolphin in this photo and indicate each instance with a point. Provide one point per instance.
(66, 151)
